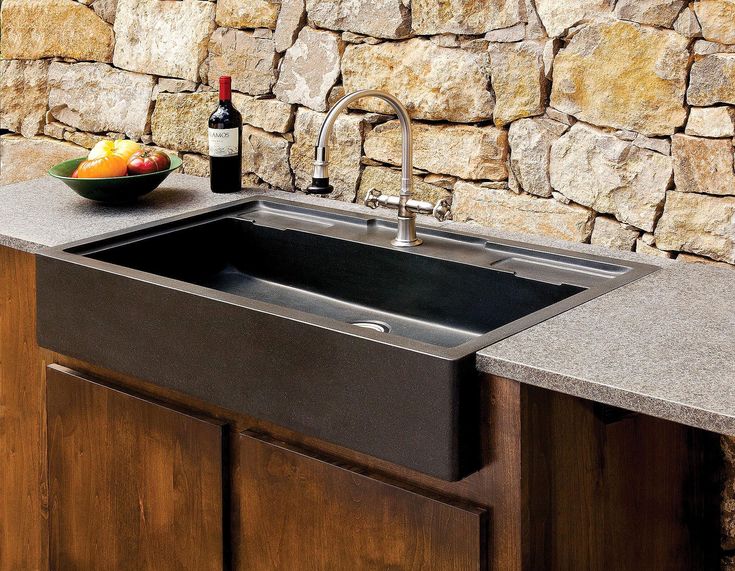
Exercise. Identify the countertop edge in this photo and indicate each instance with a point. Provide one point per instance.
(673, 411)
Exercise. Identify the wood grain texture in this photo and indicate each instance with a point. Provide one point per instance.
(294, 511)
(23, 490)
(634, 493)
(495, 487)
(133, 485)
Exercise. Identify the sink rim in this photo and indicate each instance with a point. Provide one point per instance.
(74, 252)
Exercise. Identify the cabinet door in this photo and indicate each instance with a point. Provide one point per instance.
(292, 511)
(133, 485)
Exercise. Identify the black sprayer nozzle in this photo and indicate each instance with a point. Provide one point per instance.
(319, 186)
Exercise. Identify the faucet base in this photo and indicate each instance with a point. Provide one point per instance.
(406, 233)
(406, 243)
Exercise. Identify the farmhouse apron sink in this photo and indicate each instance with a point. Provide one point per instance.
(309, 318)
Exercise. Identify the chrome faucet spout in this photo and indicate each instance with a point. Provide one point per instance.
(320, 180)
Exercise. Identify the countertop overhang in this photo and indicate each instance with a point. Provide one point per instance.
(663, 345)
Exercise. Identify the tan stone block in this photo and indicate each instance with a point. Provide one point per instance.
(266, 155)
(530, 148)
(703, 165)
(390, 19)
(518, 79)
(506, 210)
(692, 259)
(195, 165)
(250, 61)
(310, 69)
(15, 150)
(23, 96)
(712, 80)
(598, 170)
(267, 114)
(291, 19)
(660, 13)
(465, 16)
(247, 13)
(86, 140)
(705, 48)
(106, 9)
(34, 29)
(642, 248)
(55, 130)
(558, 16)
(181, 31)
(623, 75)
(610, 233)
(717, 18)
(711, 122)
(698, 223)
(464, 151)
(433, 82)
(98, 98)
(687, 24)
(179, 121)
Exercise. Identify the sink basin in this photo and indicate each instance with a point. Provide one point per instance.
(309, 318)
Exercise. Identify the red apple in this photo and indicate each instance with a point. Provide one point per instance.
(147, 161)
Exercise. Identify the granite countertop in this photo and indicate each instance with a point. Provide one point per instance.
(44, 212)
(663, 345)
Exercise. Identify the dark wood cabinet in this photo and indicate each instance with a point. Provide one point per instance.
(133, 485)
(565, 484)
(293, 511)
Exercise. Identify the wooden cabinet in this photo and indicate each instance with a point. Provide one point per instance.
(133, 485)
(293, 511)
(566, 484)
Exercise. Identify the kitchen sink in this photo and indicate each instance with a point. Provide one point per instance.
(307, 317)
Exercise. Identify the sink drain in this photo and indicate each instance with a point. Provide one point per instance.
(380, 326)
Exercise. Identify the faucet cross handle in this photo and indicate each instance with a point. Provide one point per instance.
(441, 210)
(371, 199)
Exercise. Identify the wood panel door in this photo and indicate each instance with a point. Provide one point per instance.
(133, 485)
(297, 512)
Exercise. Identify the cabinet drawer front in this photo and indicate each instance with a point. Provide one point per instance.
(295, 512)
(133, 485)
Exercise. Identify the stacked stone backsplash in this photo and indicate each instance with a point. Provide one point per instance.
(603, 121)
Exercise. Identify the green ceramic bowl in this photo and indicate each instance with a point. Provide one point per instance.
(113, 190)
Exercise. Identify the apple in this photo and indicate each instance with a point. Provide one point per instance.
(147, 161)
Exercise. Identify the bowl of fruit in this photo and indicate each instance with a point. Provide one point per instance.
(116, 171)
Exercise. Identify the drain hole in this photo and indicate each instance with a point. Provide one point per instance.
(380, 326)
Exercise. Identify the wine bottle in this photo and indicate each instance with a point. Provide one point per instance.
(225, 142)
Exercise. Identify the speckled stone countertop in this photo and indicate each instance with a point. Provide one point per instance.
(44, 212)
(663, 345)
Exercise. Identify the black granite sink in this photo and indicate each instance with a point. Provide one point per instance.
(307, 317)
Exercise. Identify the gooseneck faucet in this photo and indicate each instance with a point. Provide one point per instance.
(407, 208)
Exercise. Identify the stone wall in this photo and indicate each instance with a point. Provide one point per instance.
(603, 121)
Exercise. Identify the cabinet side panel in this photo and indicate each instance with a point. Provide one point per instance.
(23, 498)
(604, 489)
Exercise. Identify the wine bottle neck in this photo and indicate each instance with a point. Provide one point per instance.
(225, 90)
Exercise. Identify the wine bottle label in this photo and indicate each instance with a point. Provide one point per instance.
(223, 142)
